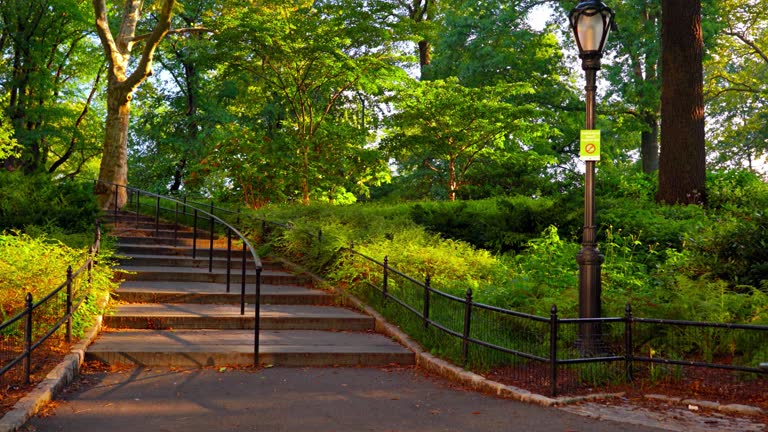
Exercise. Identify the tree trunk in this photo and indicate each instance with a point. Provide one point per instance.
(649, 144)
(682, 162)
(425, 54)
(113, 172)
(453, 184)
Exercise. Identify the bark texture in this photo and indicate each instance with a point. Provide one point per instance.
(682, 163)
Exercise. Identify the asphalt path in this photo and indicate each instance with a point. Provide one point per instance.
(294, 399)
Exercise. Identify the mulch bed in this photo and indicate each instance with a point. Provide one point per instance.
(44, 359)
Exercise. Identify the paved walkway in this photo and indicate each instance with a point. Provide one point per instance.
(296, 399)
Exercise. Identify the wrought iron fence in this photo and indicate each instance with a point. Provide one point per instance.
(22, 334)
(545, 353)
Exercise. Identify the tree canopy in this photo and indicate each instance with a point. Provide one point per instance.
(342, 100)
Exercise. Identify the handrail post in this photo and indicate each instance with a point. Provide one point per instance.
(553, 323)
(257, 317)
(210, 243)
(28, 338)
(385, 282)
(628, 346)
(467, 324)
(194, 235)
(229, 256)
(242, 283)
(176, 225)
(138, 207)
(426, 301)
(69, 304)
(157, 217)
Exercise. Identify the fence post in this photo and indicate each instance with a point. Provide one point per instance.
(28, 338)
(194, 235)
(467, 324)
(97, 236)
(385, 282)
(69, 304)
(628, 346)
(242, 283)
(553, 323)
(257, 317)
(426, 301)
(157, 217)
(90, 267)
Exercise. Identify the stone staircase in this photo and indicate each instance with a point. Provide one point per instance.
(172, 311)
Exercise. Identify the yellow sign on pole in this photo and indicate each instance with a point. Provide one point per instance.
(590, 145)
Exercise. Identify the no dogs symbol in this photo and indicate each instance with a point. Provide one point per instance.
(590, 145)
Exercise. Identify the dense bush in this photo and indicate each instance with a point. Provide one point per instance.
(499, 225)
(39, 200)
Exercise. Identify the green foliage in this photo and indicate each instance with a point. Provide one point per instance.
(38, 265)
(48, 81)
(499, 225)
(39, 200)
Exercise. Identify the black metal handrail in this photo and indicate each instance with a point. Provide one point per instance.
(30, 306)
(202, 213)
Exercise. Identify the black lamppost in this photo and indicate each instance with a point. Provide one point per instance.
(590, 21)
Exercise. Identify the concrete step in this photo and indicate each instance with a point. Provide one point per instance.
(225, 317)
(198, 262)
(202, 292)
(170, 241)
(218, 275)
(131, 249)
(185, 233)
(190, 348)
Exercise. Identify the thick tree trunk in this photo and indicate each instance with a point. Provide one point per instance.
(114, 161)
(682, 163)
(425, 54)
(649, 144)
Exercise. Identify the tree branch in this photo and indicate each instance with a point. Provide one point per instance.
(105, 34)
(750, 43)
(174, 31)
(73, 142)
(143, 70)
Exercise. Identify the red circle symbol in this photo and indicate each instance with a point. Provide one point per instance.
(590, 148)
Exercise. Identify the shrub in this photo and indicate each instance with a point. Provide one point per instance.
(38, 266)
(40, 200)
